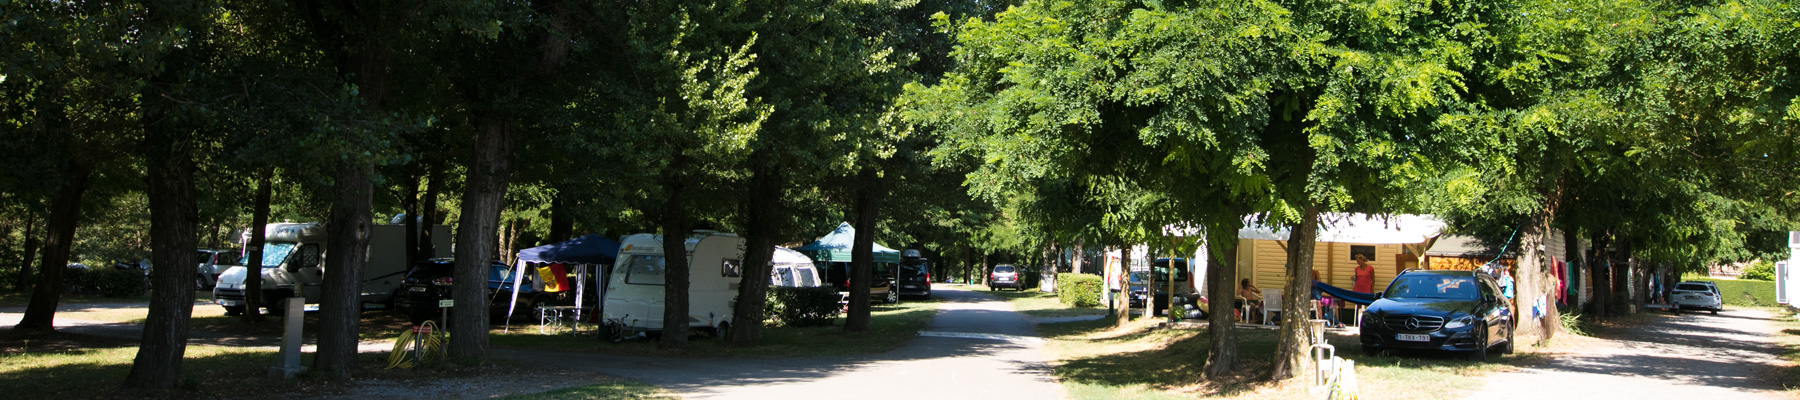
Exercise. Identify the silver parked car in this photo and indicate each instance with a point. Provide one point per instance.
(1695, 295)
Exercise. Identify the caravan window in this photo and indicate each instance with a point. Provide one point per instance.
(308, 256)
(273, 254)
(645, 270)
(806, 277)
(731, 268)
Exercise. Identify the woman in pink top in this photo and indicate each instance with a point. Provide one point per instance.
(1365, 275)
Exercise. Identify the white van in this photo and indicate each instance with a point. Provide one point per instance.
(634, 294)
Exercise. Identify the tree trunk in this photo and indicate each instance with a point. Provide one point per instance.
(1078, 258)
(677, 271)
(1600, 264)
(1221, 282)
(253, 251)
(484, 196)
(761, 230)
(174, 217)
(1296, 297)
(346, 246)
(65, 212)
(1122, 300)
(1527, 282)
(562, 222)
(409, 205)
(429, 212)
(29, 253)
(862, 262)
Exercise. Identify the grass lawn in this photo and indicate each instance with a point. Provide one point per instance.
(21, 299)
(1093, 360)
(1041, 304)
(889, 327)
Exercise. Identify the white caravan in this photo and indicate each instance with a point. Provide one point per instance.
(791, 268)
(634, 294)
(293, 265)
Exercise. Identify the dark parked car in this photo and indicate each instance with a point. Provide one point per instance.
(1457, 311)
(1139, 286)
(915, 277)
(429, 282)
(1005, 276)
(882, 278)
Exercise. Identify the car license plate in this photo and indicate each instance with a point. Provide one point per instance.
(417, 288)
(446, 303)
(1412, 338)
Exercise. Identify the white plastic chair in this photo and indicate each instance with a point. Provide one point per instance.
(1271, 303)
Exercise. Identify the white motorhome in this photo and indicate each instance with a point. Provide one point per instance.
(293, 265)
(634, 294)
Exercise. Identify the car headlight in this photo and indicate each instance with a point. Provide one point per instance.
(1460, 322)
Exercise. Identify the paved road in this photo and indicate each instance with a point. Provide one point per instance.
(1691, 356)
(975, 347)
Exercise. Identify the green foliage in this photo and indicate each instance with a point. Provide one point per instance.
(802, 306)
(106, 281)
(1078, 290)
(1761, 270)
(1745, 293)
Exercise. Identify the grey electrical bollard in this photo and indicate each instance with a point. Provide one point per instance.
(290, 339)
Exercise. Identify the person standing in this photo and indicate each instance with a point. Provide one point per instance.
(1365, 275)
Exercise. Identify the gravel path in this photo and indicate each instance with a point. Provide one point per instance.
(976, 347)
(1690, 356)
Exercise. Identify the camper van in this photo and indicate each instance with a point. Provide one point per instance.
(293, 265)
(634, 294)
(790, 268)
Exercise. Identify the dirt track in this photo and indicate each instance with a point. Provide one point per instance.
(1691, 356)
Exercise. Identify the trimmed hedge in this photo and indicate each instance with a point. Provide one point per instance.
(802, 306)
(1078, 290)
(1745, 293)
(110, 282)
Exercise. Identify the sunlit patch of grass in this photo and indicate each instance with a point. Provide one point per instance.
(1043, 304)
(1095, 360)
(1788, 340)
(611, 389)
(890, 326)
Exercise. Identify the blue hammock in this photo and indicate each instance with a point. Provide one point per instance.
(1354, 297)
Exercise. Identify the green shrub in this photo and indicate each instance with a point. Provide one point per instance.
(1761, 270)
(791, 306)
(118, 282)
(79, 280)
(1078, 290)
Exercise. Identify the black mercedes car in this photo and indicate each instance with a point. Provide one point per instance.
(1457, 311)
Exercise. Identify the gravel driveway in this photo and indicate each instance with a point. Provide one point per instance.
(976, 347)
(1690, 356)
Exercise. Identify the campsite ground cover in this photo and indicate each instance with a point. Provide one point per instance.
(1040, 304)
(890, 326)
(1094, 360)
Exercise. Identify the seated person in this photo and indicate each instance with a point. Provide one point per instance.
(1248, 293)
(1326, 304)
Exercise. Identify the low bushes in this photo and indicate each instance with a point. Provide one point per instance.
(108, 282)
(1078, 290)
(802, 306)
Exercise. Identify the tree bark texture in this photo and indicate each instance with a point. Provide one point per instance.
(677, 272)
(862, 262)
(1296, 298)
(65, 212)
(1527, 281)
(253, 251)
(174, 219)
(484, 195)
(346, 246)
(429, 211)
(409, 206)
(1221, 285)
(29, 253)
(1600, 265)
(762, 233)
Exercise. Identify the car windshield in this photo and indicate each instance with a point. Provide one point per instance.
(273, 253)
(645, 270)
(1162, 270)
(1692, 287)
(429, 270)
(1137, 278)
(1433, 286)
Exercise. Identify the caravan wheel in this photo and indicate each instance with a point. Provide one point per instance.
(723, 331)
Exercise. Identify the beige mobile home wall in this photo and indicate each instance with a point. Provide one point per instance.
(1267, 261)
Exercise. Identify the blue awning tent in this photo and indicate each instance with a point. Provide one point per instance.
(835, 247)
(588, 249)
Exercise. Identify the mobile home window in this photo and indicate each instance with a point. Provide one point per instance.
(731, 268)
(308, 256)
(645, 270)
